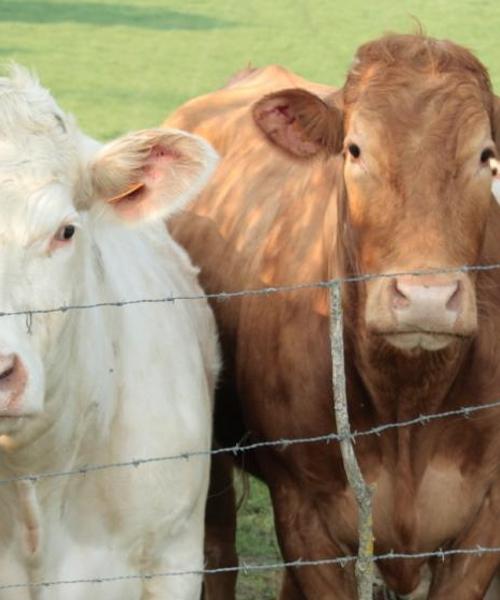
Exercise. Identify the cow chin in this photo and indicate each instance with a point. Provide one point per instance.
(414, 341)
(10, 425)
(17, 414)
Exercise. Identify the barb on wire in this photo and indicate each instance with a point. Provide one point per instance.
(263, 291)
(240, 448)
(251, 568)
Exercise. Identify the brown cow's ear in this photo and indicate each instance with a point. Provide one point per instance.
(300, 122)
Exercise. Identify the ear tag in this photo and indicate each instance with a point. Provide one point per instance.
(134, 187)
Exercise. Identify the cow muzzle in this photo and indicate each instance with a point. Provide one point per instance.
(427, 312)
(13, 379)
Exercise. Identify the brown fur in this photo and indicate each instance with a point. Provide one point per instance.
(220, 533)
(269, 220)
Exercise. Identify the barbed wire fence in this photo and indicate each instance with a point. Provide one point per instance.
(365, 559)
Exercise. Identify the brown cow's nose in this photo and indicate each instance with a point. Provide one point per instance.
(431, 303)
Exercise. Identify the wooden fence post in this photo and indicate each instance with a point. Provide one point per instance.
(362, 492)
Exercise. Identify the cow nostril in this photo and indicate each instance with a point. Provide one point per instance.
(7, 372)
(399, 298)
(455, 300)
(7, 366)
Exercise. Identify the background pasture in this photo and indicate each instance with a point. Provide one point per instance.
(123, 65)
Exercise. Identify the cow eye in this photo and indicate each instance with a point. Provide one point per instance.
(354, 150)
(486, 155)
(65, 233)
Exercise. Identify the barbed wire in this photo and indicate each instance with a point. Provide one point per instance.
(236, 449)
(248, 568)
(263, 291)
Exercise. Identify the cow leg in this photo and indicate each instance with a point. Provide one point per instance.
(304, 534)
(468, 576)
(220, 530)
(182, 552)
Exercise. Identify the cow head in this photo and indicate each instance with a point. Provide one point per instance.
(415, 124)
(59, 191)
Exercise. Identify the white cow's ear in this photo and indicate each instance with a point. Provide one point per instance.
(150, 174)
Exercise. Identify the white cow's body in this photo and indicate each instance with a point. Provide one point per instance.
(118, 383)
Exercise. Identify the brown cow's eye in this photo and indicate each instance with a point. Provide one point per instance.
(354, 150)
(486, 154)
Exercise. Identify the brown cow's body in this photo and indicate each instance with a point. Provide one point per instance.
(268, 220)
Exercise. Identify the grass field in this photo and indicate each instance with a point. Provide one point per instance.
(124, 65)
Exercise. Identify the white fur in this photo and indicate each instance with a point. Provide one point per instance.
(105, 384)
(495, 186)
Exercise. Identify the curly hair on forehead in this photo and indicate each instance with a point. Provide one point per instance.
(422, 54)
(397, 61)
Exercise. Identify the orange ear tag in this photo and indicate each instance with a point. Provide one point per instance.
(134, 187)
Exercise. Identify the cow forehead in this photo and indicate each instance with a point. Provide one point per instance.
(412, 129)
(39, 159)
(445, 104)
(31, 209)
(416, 125)
(409, 83)
(396, 58)
(36, 162)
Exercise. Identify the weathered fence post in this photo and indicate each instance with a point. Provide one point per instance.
(363, 493)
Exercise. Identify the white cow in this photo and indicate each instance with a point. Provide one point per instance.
(82, 224)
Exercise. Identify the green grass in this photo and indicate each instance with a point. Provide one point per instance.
(257, 544)
(125, 65)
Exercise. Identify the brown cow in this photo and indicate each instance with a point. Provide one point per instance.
(389, 174)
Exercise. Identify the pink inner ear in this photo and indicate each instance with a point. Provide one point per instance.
(278, 122)
(284, 110)
(158, 158)
(275, 117)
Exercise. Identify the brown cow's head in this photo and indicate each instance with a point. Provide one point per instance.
(415, 123)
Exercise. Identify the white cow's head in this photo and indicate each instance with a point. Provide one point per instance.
(54, 184)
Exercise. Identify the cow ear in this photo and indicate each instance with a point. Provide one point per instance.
(300, 123)
(150, 174)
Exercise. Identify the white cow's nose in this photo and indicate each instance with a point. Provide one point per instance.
(13, 380)
(7, 365)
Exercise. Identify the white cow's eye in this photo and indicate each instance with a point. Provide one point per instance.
(65, 233)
